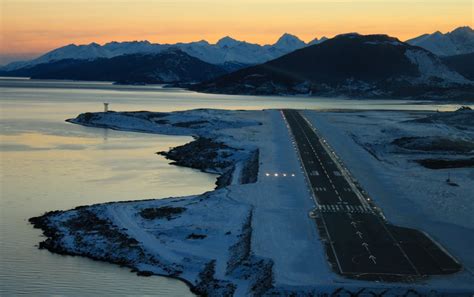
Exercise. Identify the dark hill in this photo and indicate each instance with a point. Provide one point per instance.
(464, 64)
(351, 65)
(166, 67)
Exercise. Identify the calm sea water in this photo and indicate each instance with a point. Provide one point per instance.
(48, 164)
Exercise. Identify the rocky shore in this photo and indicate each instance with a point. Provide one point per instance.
(208, 155)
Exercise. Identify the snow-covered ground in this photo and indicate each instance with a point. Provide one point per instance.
(256, 238)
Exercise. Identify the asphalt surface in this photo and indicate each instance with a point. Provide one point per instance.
(359, 242)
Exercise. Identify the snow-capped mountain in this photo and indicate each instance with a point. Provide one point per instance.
(226, 50)
(456, 42)
(71, 51)
(370, 66)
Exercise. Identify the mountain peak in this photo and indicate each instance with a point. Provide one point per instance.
(348, 35)
(314, 41)
(289, 40)
(317, 41)
(288, 37)
(202, 41)
(227, 41)
(463, 30)
(371, 38)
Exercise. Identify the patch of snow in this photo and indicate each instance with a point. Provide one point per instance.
(430, 67)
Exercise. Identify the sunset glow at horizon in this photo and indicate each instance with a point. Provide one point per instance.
(37, 26)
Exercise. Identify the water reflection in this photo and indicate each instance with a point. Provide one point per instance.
(105, 134)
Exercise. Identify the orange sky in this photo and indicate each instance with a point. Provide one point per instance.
(36, 26)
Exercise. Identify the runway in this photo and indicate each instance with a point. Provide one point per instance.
(359, 242)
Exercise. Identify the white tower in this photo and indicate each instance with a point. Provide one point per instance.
(106, 107)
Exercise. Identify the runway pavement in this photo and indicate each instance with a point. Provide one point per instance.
(359, 242)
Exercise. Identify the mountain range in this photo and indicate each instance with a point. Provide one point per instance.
(229, 50)
(353, 65)
(226, 50)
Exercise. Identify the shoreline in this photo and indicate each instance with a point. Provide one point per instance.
(107, 85)
(208, 147)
